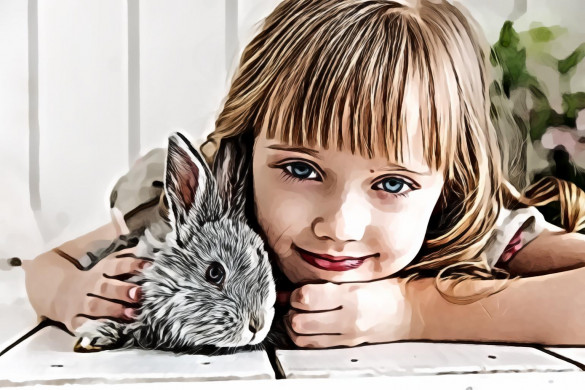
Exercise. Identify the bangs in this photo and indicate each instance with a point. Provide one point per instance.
(366, 84)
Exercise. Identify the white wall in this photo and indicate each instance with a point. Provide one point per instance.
(18, 230)
(188, 50)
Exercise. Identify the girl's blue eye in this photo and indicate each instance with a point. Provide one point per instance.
(301, 171)
(392, 185)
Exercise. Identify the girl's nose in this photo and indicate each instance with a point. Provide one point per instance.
(346, 222)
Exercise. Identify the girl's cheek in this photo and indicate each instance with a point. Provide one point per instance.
(400, 233)
(390, 203)
(282, 214)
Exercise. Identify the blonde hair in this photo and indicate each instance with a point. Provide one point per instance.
(387, 62)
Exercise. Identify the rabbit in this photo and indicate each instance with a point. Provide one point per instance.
(210, 283)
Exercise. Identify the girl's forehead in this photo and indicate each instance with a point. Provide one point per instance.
(400, 129)
(412, 154)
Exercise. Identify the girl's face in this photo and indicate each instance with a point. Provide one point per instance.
(336, 216)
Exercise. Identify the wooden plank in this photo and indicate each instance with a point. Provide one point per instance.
(532, 381)
(48, 358)
(182, 68)
(575, 354)
(83, 113)
(17, 316)
(19, 235)
(416, 359)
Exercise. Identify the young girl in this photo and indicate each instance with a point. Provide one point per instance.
(375, 179)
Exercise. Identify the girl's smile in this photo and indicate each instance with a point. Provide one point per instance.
(337, 216)
(332, 263)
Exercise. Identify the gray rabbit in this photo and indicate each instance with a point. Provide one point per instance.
(210, 284)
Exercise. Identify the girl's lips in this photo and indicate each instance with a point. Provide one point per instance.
(331, 263)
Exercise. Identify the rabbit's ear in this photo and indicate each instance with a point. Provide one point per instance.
(189, 185)
(231, 169)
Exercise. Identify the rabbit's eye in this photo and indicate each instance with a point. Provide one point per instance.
(215, 274)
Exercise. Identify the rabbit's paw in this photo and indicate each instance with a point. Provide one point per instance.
(95, 336)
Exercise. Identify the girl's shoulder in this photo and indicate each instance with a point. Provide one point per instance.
(513, 230)
(137, 193)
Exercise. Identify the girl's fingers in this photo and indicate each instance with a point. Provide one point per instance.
(313, 297)
(322, 340)
(325, 341)
(119, 290)
(318, 323)
(95, 307)
(124, 265)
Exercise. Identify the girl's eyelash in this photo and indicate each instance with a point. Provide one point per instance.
(396, 195)
(289, 174)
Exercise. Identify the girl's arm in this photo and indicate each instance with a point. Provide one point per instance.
(58, 290)
(549, 252)
(547, 309)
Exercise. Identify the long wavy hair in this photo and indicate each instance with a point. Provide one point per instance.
(388, 62)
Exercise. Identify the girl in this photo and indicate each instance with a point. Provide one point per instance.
(375, 178)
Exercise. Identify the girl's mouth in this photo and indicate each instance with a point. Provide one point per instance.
(331, 263)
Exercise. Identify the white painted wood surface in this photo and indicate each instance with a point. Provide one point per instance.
(576, 354)
(416, 359)
(532, 381)
(83, 113)
(182, 68)
(17, 316)
(18, 228)
(48, 358)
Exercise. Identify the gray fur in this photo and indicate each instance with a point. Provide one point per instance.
(181, 310)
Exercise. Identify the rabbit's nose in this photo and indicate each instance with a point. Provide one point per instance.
(255, 324)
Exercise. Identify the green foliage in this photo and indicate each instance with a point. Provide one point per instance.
(510, 53)
(573, 103)
(512, 58)
(541, 34)
(572, 60)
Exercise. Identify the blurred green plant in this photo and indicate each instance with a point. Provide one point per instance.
(509, 52)
(525, 95)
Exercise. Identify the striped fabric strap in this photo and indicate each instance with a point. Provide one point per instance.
(512, 248)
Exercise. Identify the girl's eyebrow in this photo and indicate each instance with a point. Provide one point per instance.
(298, 149)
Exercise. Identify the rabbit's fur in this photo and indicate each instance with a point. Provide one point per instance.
(186, 303)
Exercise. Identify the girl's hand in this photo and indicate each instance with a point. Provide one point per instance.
(61, 292)
(349, 314)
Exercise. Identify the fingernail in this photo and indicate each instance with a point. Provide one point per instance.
(146, 265)
(134, 293)
(128, 312)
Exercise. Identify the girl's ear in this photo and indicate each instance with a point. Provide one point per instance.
(231, 168)
(189, 186)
